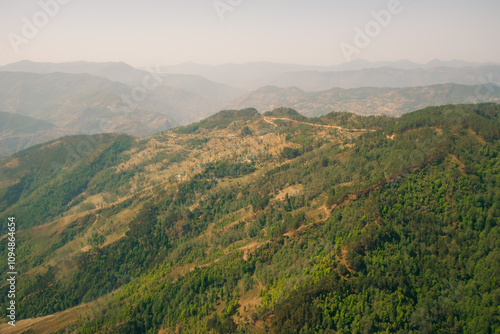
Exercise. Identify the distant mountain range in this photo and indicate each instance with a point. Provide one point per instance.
(77, 102)
(251, 76)
(18, 132)
(212, 91)
(119, 72)
(218, 83)
(128, 75)
(385, 77)
(90, 98)
(364, 101)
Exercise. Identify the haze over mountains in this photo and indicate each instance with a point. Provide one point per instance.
(250, 76)
(88, 98)
(74, 103)
(18, 132)
(358, 73)
(384, 77)
(130, 76)
(364, 101)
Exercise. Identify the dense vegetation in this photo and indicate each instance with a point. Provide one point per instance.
(221, 120)
(286, 113)
(390, 230)
(48, 189)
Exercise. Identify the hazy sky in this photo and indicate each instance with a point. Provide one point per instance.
(167, 32)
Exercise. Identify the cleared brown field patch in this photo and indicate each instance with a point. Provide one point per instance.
(478, 137)
(291, 191)
(461, 165)
(13, 163)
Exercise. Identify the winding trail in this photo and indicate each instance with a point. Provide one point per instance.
(271, 119)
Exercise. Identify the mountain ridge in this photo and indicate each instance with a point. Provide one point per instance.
(236, 223)
(366, 100)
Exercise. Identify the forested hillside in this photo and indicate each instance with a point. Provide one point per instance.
(250, 223)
